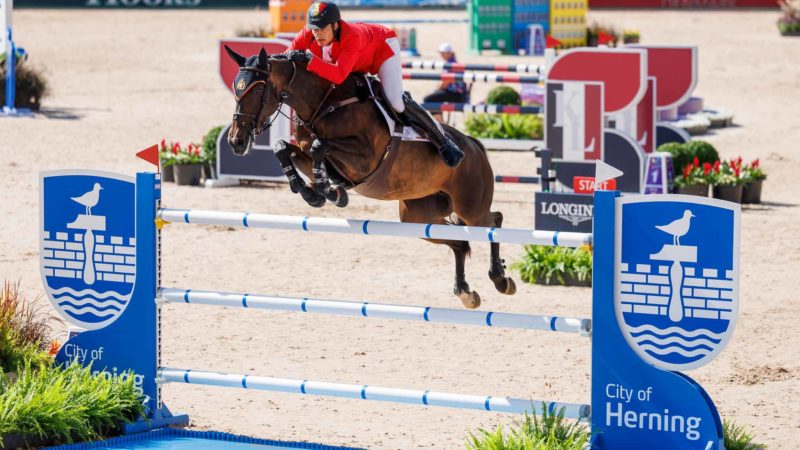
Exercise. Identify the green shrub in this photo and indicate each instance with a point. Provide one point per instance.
(210, 144)
(32, 86)
(704, 151)
(24, 330)
(67, 404)
(684, 153)
(503, 95)
(549, 264)
(504, 126)
(550, 432)
(738, 438)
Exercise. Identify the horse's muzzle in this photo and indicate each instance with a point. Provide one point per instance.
(241, 146)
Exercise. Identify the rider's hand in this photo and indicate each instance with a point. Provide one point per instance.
(298, 56)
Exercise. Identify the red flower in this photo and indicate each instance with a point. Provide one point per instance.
(163, 144)
(696, 162)
(706, 168)
(716, 166)
(737, 171)
(54, 347)
(755, 164)
(686, 170)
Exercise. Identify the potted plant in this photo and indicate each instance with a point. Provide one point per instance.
(693, 179)
(755, 177)
(555, 265)
(31, 83)
(188, 166)
(210, 152)
(630, 36)
(728, 182)
(166, 154)
(789, 21)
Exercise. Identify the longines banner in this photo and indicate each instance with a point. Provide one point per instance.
(119, 4)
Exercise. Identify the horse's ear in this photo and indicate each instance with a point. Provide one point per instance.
(239, 59)
(263, 57)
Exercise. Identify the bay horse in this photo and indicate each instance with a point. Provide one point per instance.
(341, 131)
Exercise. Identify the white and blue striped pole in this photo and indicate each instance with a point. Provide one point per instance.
(377, 228)
(375, 393)
(378, 310)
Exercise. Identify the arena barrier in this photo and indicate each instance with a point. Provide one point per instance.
(111, 224)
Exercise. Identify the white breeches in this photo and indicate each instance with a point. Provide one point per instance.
(391, 75)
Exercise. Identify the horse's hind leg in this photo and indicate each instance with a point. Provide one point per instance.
(435, 209)
(497, 273)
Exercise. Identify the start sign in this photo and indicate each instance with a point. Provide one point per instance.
(586, 185)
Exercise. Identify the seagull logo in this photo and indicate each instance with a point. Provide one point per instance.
(89, 200)
(677, 228)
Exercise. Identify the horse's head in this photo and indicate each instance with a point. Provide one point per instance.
(254, 103)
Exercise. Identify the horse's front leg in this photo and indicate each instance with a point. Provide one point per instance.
(322, 183)
(283, 151)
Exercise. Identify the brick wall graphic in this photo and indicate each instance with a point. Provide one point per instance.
(676, 306)
(89, 269)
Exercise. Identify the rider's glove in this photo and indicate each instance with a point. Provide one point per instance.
(298, 56)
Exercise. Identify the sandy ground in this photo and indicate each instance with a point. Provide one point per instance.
(126, 79)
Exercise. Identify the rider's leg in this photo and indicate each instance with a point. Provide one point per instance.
(391, 75)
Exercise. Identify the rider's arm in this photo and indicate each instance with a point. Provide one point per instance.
(336, 72)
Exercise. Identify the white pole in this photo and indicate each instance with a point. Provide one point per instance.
(384, 311)
(366, 392)
(377, 227)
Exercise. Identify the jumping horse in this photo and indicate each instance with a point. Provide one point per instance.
(344, 142)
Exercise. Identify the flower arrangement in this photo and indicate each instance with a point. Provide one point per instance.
(630, 36)
(753, 172)
(728, 173)
(789, 21)
(694, 174)
(181, 164)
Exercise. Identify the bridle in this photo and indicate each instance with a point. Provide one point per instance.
(249, 121)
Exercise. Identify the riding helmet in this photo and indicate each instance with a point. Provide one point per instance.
(321, 14)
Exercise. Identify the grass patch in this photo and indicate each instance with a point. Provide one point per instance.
(66, 404)
(738, 437)
(548, 431)
(554, 265)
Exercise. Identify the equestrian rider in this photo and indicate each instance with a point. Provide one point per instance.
(334, 49)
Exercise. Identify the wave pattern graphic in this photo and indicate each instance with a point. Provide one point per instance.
(88, 305)
(87, 309)
(90, 293)
(673, 344)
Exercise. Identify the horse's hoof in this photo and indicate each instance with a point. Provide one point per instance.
(313, 199)
(470, 300)
(511, 287)
(342, 199)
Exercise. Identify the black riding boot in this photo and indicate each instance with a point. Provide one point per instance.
(423, 123)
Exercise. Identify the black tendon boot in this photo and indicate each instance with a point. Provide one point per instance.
(423, 123)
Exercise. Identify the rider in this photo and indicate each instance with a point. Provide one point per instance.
(335, 48)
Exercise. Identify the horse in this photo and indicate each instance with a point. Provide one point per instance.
(340, 130)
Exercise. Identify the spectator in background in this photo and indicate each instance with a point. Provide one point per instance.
(448, 91)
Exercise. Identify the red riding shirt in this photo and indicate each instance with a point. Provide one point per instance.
(361, 47)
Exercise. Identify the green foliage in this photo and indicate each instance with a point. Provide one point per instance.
(683, 154)
(503, 95)
(32, 86)
(67, 404)
(210, 144)
(551, 431)
(24, 330)
(738, 437)
(548, 264)
(504, 126)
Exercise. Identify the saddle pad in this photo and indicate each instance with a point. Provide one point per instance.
(409, 134)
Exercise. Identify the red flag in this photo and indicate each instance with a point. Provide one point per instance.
(150, 154)
(604, 38)
(552, 42)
